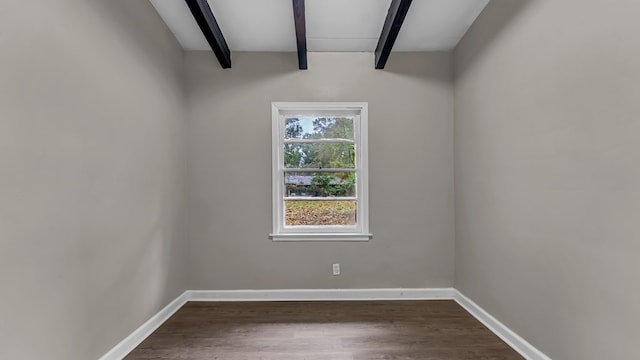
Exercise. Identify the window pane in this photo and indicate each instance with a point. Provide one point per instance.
(319, 127)
(320, 184)
(319, 155)
(311, 212)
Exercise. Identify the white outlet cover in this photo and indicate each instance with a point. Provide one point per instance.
(336, 269)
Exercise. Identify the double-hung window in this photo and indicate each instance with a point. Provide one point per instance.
(319, 158)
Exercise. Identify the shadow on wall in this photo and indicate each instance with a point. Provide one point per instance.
(499, 13)
(143, 38)
(403, 63)
(246, 68)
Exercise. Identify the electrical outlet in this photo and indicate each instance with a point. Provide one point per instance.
(336, 269)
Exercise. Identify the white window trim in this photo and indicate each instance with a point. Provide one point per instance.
(359, 232)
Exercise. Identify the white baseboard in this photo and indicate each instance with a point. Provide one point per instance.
(512, 339)
(135, 338)
(321, 294)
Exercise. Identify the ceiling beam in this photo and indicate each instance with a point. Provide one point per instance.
(395, 17)
(301, 32)
(207, 22)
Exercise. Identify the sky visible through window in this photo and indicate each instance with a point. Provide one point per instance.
(307, 124)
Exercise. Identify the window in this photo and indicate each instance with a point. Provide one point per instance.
(319, 171)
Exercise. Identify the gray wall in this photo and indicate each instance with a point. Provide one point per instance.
(547, 162)
(91, 103)
(411, 171)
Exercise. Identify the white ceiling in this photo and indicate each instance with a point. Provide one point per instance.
(332, 25)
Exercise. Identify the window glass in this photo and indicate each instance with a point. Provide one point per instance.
(302, 127)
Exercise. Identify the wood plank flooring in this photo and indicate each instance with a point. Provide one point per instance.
(347, 330)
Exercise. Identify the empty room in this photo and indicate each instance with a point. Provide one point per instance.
(319, 179)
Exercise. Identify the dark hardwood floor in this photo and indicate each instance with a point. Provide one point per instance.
(347, 330)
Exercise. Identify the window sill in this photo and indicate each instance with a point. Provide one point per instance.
(320, 237)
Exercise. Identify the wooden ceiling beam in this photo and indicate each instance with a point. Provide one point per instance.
(209, 26)
(395, 17)
(301, 32)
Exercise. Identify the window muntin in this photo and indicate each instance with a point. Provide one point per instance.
(320, 167)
